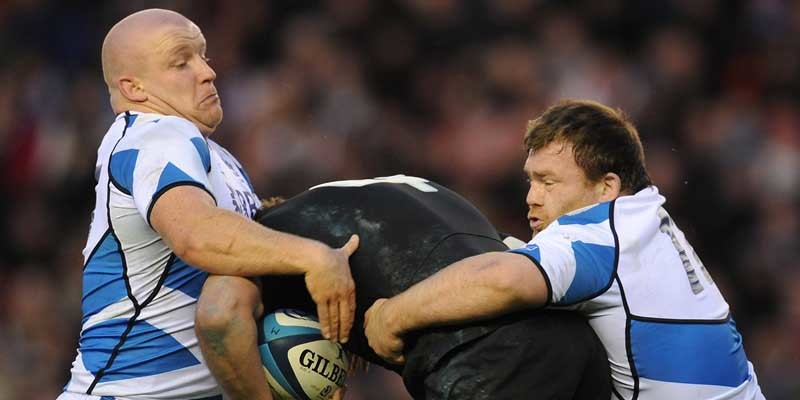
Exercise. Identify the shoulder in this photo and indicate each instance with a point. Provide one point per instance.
(593, 214)
(645, 202)
(217, 148)
(163, 132)
(590, 224)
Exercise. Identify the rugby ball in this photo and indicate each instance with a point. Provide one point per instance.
(298, 362)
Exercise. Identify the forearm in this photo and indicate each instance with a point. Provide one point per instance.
(223, 242)
(475, 288)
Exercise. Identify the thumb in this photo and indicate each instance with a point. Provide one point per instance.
(351, 245)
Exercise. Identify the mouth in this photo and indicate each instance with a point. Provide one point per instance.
(535, 223)
(212, 97)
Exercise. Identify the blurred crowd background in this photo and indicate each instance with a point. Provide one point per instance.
(321, 90)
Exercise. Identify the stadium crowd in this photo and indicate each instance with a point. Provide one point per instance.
(321, 90)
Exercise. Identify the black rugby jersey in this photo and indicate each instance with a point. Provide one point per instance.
(407, 234)
(411, 228)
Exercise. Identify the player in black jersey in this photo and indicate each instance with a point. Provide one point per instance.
(409, 229)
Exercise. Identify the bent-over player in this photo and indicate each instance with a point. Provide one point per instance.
(409, 229)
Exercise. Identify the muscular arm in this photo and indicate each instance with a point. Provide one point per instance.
(225, 243)
(231, 246)
(474, 288)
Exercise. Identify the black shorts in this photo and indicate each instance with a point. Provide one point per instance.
(548, 355)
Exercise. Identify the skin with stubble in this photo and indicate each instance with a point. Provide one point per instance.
(558, 185)
(154, 61)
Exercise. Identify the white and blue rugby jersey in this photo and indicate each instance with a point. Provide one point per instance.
(137, 338)
(667, 330)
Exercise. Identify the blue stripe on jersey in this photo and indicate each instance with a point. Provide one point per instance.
(202, 149)
(172, 174)
(131, 119)
(218, 397)
(594, 215)
(530, 250)
(246, 178)
(147, 350)
(594, 269)
(121, 166)
(103, 283)
(705, 354)
(185, 278)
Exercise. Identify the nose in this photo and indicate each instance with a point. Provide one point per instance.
(207, 74)
(534, 197)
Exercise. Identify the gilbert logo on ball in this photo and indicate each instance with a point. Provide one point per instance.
(298, 362)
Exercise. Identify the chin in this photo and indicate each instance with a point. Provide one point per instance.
(213, 118)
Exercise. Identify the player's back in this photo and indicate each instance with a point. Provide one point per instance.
(409, 229)
(682, 337)
(667, 329)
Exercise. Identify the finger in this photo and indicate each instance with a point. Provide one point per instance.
(345, 319)
(333, 310)
(351, 245)
(324, 324)
(393, 358)
(352, 306)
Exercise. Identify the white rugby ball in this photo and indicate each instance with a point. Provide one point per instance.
(298, 362)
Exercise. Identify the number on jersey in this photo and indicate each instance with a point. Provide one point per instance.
(417, 183)
(690, 264)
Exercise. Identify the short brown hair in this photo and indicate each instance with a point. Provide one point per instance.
(603, 140)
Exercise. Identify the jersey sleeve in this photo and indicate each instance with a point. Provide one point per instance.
(575, 271)
(158, 160)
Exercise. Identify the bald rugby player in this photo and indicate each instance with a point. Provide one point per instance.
(173, 207)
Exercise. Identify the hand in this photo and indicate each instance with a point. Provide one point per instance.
(386, 342)
(332, 289)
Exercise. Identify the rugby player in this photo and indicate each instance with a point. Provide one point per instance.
(171, 207)
(604, 246)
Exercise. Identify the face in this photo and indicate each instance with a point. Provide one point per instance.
(557, 185)
(178, 79)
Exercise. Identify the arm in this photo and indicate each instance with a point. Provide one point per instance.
(225, 243)
(474, 288)
(225, 324)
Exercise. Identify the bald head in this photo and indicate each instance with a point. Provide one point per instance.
(132, 39)
(155, 61)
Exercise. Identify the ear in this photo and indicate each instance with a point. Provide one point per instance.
(131, 89)
(609, 187)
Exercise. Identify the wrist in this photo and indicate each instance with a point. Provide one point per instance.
(314, 257)
(396, 321)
